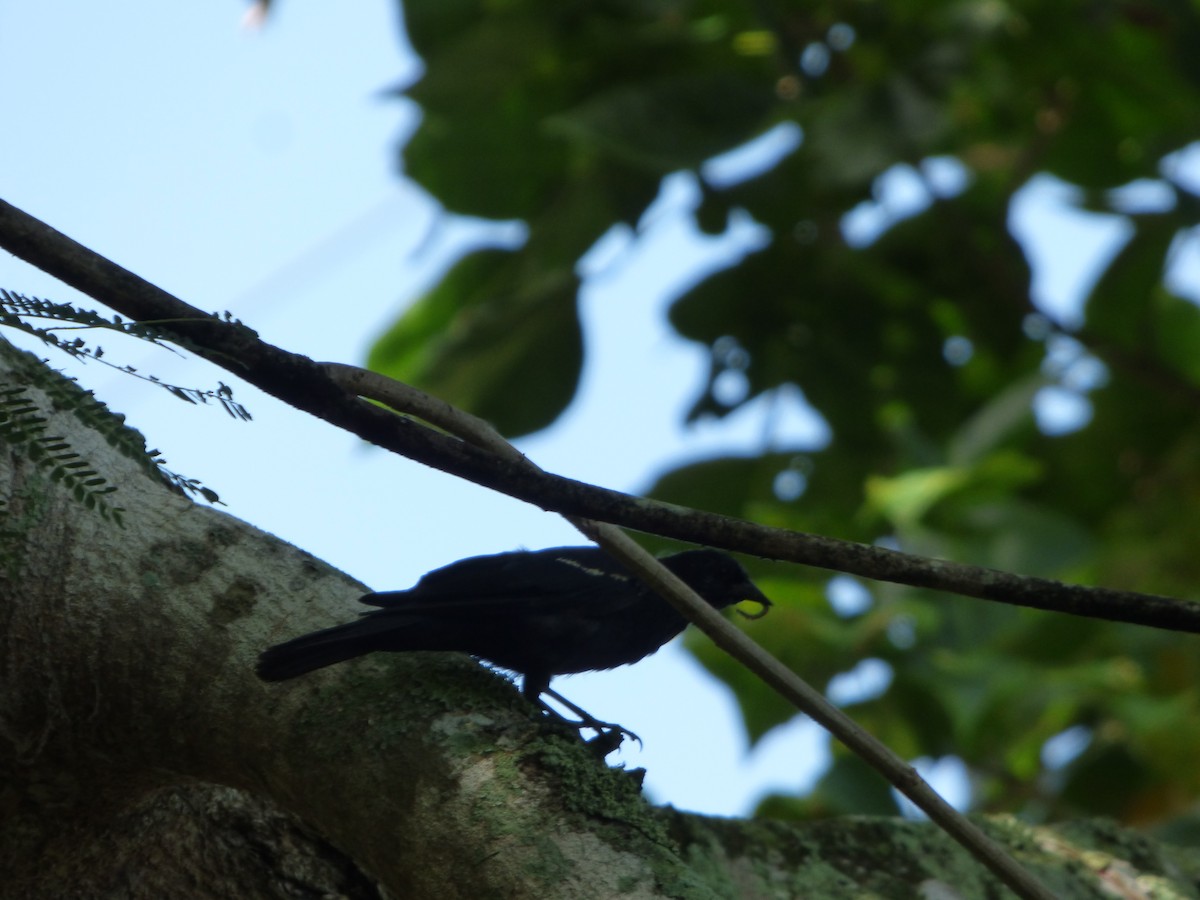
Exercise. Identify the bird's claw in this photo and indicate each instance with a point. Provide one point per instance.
(605, 742)
(606, 732)
(609, 735)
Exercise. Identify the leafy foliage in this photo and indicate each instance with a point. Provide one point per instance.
(920, 342)
(23, 427)
(461, 338)
(16, 309)
(23, 422)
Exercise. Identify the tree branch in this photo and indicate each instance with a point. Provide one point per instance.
(304, 384)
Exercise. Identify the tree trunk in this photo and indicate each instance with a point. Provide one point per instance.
(143, 758)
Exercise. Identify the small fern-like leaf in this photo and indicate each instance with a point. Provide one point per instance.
(21, 422)
(22, 427)
(15, 309)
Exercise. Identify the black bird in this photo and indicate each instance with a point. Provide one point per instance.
(540, 613)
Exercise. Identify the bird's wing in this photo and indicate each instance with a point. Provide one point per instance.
(529, 583)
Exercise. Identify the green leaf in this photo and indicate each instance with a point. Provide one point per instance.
(671, 123)
(1119, 307)
(1007, 415)
(906, 499)
(849, 787)
(1177, 327)
(510, 354)
(481, 149)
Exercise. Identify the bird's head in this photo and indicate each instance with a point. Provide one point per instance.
(719, 579)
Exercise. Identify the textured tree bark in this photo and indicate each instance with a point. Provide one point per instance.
(128, 675)
(140, 756)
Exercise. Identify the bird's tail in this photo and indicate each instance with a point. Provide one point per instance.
(316, 650)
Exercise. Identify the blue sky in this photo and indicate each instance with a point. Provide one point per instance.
(255, 172)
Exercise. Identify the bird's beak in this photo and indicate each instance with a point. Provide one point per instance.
(763, 605)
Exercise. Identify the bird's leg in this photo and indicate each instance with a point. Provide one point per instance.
(586, 719)
(534, 688)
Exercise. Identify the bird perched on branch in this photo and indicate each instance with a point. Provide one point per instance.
(540, 613)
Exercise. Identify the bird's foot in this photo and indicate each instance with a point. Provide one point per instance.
(609, 735)
(605, 742)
